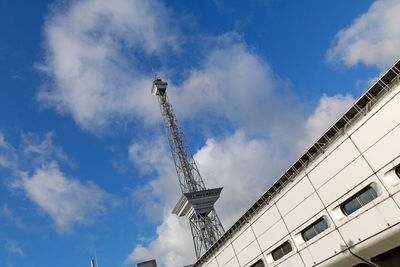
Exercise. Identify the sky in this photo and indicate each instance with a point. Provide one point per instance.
(85, 168)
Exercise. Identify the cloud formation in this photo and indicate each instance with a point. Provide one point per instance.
(328, 111)
(234, 83)
(172, 247)
(373, 38)
(154, 161)
(37, 174)
(93, 54)
(67, 201)
(12, 247)
(9, 218)
(244, 166)
(91, 50)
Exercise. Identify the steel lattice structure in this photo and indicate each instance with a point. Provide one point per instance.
(197, 202)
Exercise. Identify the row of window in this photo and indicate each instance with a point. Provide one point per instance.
(388, 258)
(349, 206)
(352, 204)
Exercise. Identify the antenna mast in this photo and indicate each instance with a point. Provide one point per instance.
(196, 202)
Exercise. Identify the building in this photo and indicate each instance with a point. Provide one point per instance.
(338, 205)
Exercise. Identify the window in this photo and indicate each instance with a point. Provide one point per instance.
(259, 263)
(397, 170)
(281, 251)
(358, 200)
(317, 227)
(389, 258)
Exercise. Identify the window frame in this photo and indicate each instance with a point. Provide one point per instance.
(313, 226)
(280, 248)
(358, 199)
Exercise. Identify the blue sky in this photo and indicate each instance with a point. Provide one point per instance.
(84, 163)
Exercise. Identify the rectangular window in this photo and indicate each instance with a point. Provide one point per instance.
(317, 227)
(358, 200)
(281, 251)
(259, 263)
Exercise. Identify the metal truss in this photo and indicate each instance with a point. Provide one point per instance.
(197, 202)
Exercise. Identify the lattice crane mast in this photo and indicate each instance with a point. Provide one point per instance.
(196, 202)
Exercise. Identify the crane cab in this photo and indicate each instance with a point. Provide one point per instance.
(159, 87)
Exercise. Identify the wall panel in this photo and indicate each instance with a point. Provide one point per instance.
(326, 247)
(370, 222)
(266, 220)
(292, 198)
(243, 238)
(249, 253)
(212, 263)
(345, 180)
(385, 150)
(303, 212)
(226, 255)
(378, 125)
(273, 235)
(336, 161)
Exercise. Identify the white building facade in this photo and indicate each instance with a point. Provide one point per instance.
(338, 205)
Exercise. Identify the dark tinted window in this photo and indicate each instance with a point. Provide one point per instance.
(358, 200)
(259, 263)
(397, 170)
(367, 196)
(317, 227)
(281, 251)
(389, 258)
(351, 206)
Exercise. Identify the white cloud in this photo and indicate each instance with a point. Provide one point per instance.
(245, 167)
(328, 111)
(373, 38)
(12, 219)
(173, 246)
(12, 247)
(95, 77)
(236, 84)
(90, 49)
(162, 191)
(36, 172)
(8, 156)
(38, 150)
(67, 201)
